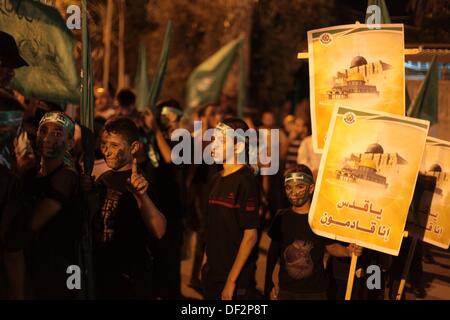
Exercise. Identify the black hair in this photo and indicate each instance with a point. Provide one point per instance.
(298, 168)
(126, 98)
(123, 126)
(168, 103)
(235, 124)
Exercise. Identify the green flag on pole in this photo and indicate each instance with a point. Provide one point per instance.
(425, 105)
(47, 45)
(141, 82)
(385, 18)
(242, 85)
(87, 97)
(88, 142)
(206, 81)
(157, 82)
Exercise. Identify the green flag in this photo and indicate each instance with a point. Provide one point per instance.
(161, 69)
(206, 82)
(242, 85)
(141, 82)
(47, 45)
(385, 18)
(425, 105)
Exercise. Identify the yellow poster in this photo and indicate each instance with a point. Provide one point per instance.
(354, 66)
(430, 219)
(367, 177)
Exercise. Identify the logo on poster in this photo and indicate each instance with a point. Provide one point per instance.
(326, 38)
(349, 118)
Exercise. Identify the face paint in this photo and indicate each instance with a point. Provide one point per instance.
(298, 185)
(116, 150)
(297, 193)
(51, 140)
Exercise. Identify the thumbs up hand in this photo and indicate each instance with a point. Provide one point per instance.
(137, 184)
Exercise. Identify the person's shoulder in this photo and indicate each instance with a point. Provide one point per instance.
(283, 212)
(246, 176)
(246, 172)
(65, 173)
(217, 175)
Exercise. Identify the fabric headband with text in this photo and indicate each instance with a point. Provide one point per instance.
(166, 110)
(59, 118)
(228, 131)
(300, 176)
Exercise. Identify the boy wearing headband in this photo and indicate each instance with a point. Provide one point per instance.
(232, 213)
(55, 221)
(300, 251)
(168, 183)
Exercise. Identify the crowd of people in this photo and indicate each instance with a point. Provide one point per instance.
(130, 222)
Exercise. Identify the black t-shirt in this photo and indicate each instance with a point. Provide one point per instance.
(62, 231)
(232, 207)
(55, 246)
(302, 251)
(120, 235)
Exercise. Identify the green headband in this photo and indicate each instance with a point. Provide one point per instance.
(59, 118)
(166, 110)
(299, 176)
(11, 118)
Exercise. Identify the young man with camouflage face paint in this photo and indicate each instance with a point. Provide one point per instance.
(300, 251)
(53, 196)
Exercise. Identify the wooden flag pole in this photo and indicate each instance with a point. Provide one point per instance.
(351, 277)
(412, 249)
(121, 72)
(107, 43)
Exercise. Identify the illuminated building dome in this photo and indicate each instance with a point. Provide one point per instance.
(368, 163)
(375, 148)
(358, 61)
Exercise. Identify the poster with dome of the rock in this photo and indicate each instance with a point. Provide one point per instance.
(429, 220)
(367, 177)
(354, 66)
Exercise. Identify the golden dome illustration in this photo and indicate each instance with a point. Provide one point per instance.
(375, 148)
(358, 61)
(436, 168)
(368, 163)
